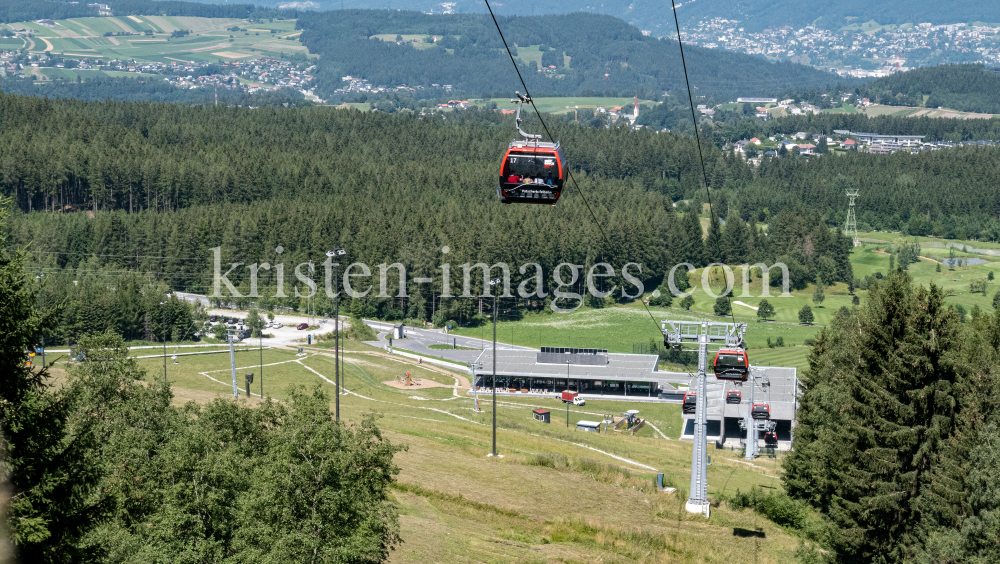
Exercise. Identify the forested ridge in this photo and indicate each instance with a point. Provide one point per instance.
(606, 56)
(969, 88)
(138, 156)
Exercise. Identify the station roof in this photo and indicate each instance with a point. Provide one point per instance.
(591, 366)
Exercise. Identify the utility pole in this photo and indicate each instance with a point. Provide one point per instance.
(41, 309)
(675, 334)
(260, 336)
(163, 306)
(336, 253)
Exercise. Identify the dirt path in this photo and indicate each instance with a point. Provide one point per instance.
(737, 302)
(930, 259)
(31, 42)
(48, 46)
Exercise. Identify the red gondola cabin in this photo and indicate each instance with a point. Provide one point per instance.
(770, 438)
(690, 402)
(532, 172)
(734, 396)
(760, 411)
(732, 364)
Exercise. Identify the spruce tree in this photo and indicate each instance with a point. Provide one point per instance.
(877, 419)
(714, 251)
(818, 295)
(694, 248)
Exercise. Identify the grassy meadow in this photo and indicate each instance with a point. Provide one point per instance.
(618, 328)
(556, 495)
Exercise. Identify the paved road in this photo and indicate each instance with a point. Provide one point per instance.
(418, 340)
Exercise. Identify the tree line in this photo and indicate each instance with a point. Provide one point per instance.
(72, 155)
(898, 433)
(124, 89)
(102, 467)
(80, 255)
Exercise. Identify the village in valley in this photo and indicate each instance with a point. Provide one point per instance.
(859, 50)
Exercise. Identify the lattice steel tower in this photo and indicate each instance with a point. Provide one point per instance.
(851, 228)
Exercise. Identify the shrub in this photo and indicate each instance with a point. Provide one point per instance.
(776, 506)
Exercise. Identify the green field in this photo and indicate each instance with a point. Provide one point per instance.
(209, 40)
(844, 108)
(618, 328)
(565, 105)
(555, 496)
(418, 40)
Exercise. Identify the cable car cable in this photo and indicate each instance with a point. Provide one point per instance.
(697, 136)
(569, 172)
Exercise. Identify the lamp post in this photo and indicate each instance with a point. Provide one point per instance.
(336, 329)
(164, 331)
(494, 282)
(260, 345)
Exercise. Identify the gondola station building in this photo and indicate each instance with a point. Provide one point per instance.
(776, 388)
(598, 374)
(594, 373)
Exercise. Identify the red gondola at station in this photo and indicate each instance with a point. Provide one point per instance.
(690, 402)
(732, 364)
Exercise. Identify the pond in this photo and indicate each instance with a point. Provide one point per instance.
(963, 261)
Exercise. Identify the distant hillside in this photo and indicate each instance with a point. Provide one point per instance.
(656, 15)
(593, 55)
(969, 88)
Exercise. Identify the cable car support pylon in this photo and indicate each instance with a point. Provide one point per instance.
(705, 333)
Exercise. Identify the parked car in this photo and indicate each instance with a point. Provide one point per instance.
(302, 326)
(213, 318)
(278, 326)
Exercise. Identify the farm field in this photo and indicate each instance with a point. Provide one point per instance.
(556, 495)
(904, 111)
(559, 105)
(209, 38)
